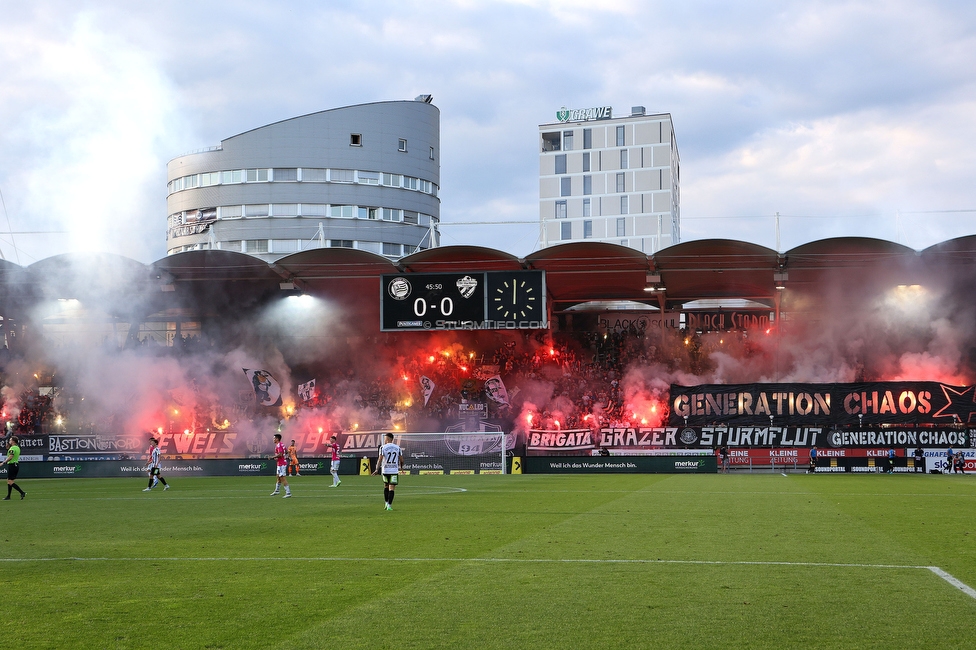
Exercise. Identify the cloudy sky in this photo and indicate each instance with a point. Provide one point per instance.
(847, 118)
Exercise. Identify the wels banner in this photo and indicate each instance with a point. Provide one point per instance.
(915, 403)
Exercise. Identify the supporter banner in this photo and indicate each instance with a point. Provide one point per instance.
(95, 447)
(33, 447)
(636, 439)
(727, 321)
(822, 404)
(624, 321)
(185, 446)
(682, 464)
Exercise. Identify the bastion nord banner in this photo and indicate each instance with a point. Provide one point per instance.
(859, 404)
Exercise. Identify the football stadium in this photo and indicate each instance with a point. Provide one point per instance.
(717, 445)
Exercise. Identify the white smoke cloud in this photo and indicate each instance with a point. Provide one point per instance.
(90, 121)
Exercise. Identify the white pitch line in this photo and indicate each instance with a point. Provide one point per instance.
(952, 580)
(948, 577)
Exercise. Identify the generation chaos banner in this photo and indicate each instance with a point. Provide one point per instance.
(860, 404)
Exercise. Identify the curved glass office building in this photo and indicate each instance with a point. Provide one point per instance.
(363, 177)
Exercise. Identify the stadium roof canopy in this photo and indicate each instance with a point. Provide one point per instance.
(577, 273)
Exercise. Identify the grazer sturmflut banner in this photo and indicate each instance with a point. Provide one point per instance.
(899, 402)
(637, 440)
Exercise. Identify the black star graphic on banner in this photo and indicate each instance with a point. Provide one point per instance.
(952, 394)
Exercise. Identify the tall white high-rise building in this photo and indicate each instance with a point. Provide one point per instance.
(611, 179)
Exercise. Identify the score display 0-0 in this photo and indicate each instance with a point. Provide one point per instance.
(494, 300)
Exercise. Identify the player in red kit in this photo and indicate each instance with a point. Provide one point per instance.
(281, 467)
(333, 447)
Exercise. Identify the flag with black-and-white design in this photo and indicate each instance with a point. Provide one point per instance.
(267, 392)
(306, 391)
(495, 390)
(427, 386)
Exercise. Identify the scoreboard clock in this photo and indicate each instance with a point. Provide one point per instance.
(516, 296)
(451, 301)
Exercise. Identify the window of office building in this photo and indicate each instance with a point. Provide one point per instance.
(391, 249)
(620, 135)
(409, 216)
(550, 141)
(228, 178)
(624, 158)
(587, 229)
(257, 245)
(587, 185)
(561, 163)
(567, 140)
(355, 139)
(231, 245)
(402, 145)
(369, 213)
(260, 210)
(560, 209)
(342, 175)
(367, 178)
(586, 207)
(315, 210)
(208, 179)
(257, 175)
(624, 204)
(621, 227)
(566, 230)
(391, 180)
(621, 187)
(284, 209)
(341, 243)
(312, 175)
(586, 161)
(390, 214)
(431, 153)
(341, 211)
(287, 174)
(284, 245)
(587, 138)
(565, 186)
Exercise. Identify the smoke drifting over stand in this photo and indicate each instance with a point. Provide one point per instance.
(104, 346)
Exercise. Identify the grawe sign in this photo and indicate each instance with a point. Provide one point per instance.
(583, 114)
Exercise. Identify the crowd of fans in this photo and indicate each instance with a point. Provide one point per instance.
(553, 380)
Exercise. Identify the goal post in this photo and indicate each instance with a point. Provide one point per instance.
(453, 453)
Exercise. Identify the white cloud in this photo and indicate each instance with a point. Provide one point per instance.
(91, 141)
(869, 170)
(822, 108)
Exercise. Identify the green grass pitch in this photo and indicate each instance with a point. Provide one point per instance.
(623, 561)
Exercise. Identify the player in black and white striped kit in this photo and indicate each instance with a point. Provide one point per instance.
(389, 465)
(153, 467)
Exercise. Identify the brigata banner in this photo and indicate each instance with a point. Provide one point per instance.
(638, 440)
(900, 402)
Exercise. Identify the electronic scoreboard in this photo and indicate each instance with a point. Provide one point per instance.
(494, 300)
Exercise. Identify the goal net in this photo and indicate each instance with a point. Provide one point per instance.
(452, 453)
